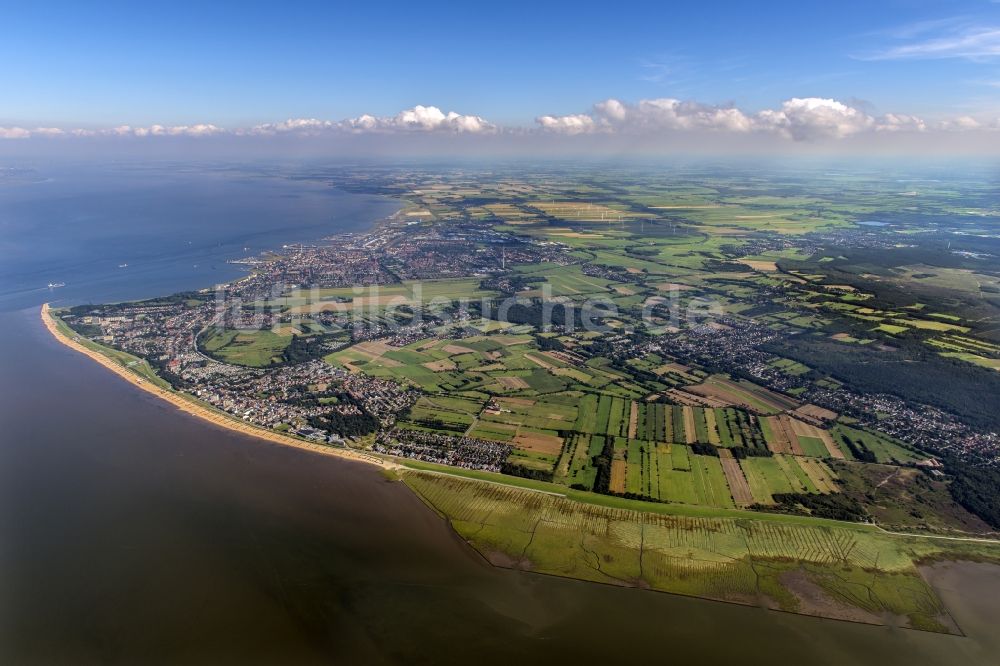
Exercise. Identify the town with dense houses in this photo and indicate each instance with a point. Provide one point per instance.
(521, 329)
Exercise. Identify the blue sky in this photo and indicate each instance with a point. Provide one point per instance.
(74, 64)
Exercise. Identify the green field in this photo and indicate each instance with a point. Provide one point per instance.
(885, 449)
(563, 281)
(446, 413)
(538, 414)
(425, 293)
(765, 477)
(671, 473)
(478, 363)
(252, 348)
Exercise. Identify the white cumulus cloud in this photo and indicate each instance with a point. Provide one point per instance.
(14, 133)
(613, 115)
(177, 130)
(810, 118)
(961, 123)
(900, 122)
(24, 133)
(579, 123)
(612, 110)
(673, 114)
(799, 119)
(418, 119)
(307, 126)
(421, 119)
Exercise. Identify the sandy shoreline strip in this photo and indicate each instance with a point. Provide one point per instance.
(192, 407)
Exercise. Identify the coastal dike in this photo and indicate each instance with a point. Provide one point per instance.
(191, 406)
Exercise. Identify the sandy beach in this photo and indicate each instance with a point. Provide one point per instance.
(191, 406)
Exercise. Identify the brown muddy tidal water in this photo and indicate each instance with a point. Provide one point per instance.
(131, 533)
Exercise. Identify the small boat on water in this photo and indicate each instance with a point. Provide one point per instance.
(122, 265)
(56, 285)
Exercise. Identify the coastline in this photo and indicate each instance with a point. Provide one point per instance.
(191, 406)
(194, 408)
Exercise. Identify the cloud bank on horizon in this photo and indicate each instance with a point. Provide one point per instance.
(799, 119)
(418, 119)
